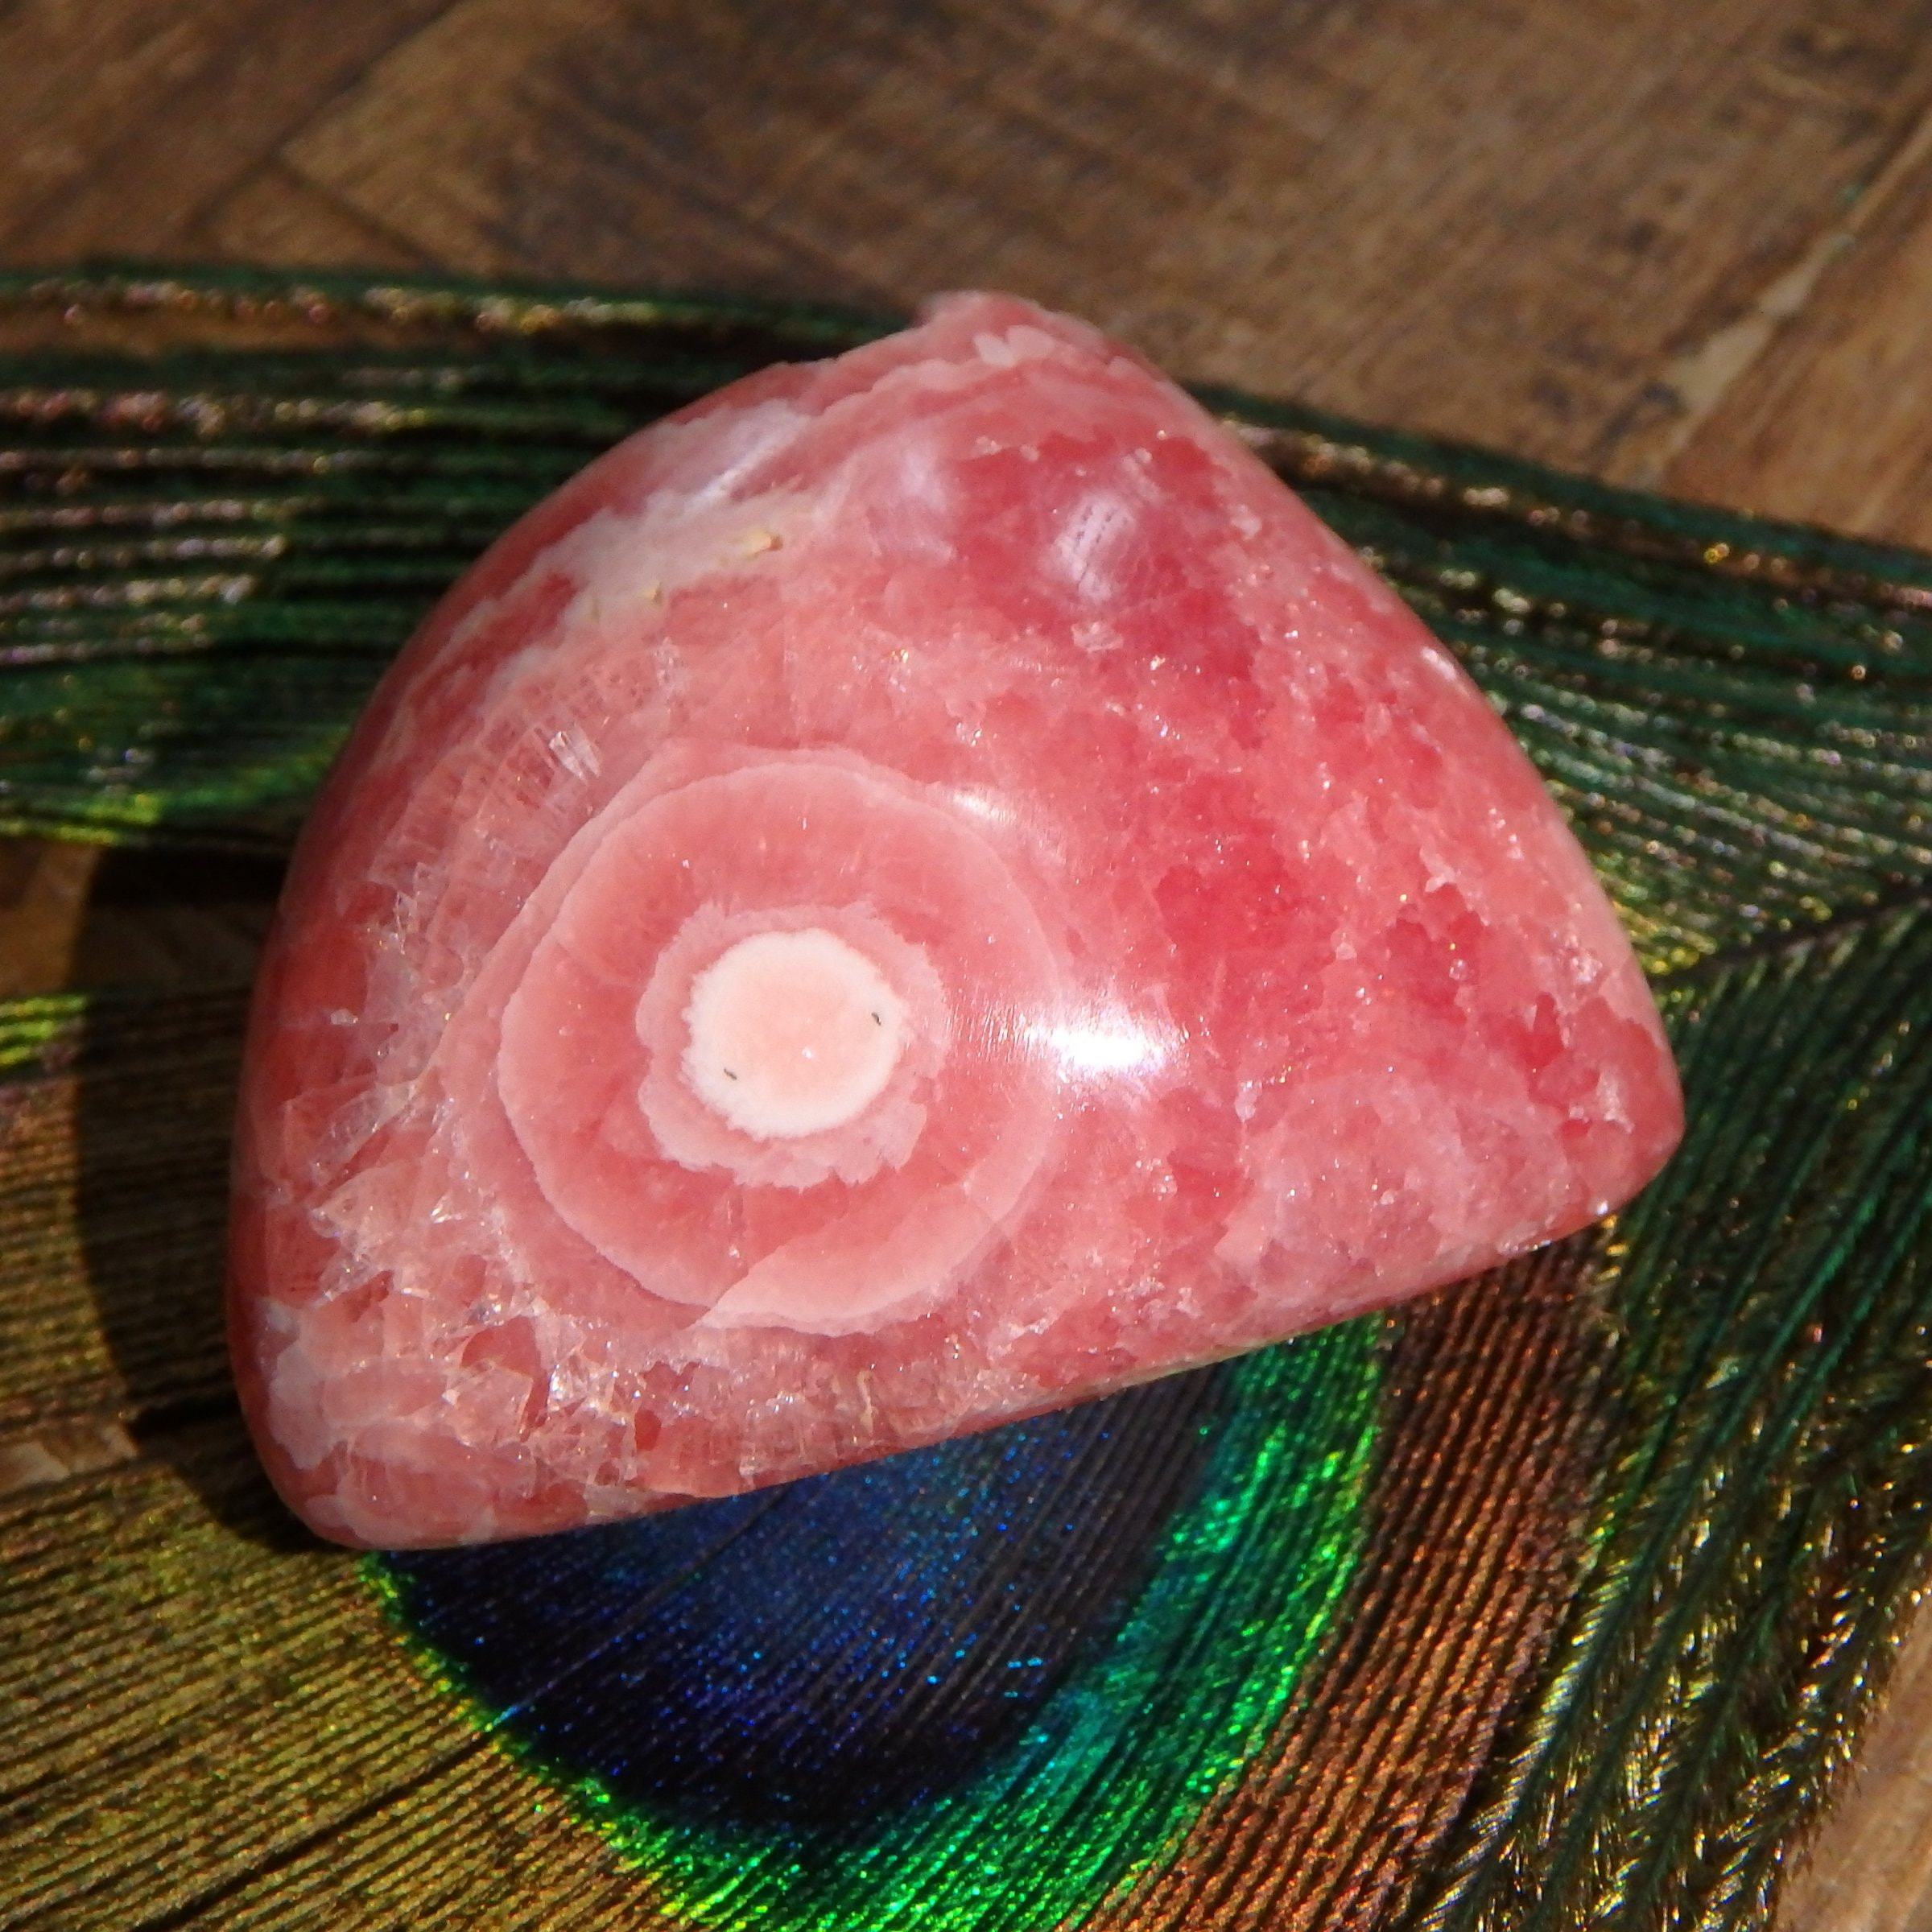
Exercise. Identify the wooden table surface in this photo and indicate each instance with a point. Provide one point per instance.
(1685, 244)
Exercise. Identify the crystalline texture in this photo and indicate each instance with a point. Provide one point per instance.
(925, 888)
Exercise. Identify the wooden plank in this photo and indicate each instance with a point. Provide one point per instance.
(1833, 422)
(87, 915)
(1499, 219)
(275, 217)
(155, 919)
(43, 906)
(123, 119)
(1871, 1870)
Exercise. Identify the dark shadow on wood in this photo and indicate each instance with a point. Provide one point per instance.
(172, 938)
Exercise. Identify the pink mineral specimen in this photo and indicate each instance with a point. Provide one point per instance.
(925, 888)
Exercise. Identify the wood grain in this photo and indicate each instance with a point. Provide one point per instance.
(1680, 245)
(125, 122)
(1871, 1869)
(1496, 221)
(1833, 422)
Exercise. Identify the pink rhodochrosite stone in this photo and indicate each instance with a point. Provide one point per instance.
(925, 888)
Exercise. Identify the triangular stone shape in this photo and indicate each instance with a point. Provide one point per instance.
(925, 888)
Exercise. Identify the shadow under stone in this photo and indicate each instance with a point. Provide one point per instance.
(155, 1075)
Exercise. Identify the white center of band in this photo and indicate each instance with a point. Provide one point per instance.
(791, 1033)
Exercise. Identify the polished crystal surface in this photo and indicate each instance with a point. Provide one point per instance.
(925, 888)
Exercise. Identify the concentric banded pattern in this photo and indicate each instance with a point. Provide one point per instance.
(1535, 1607)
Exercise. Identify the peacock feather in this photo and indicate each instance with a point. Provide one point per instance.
(1552, 1605)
